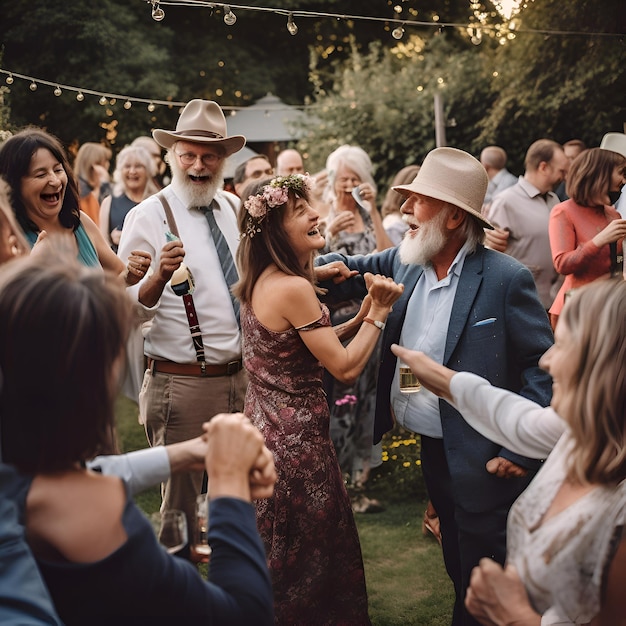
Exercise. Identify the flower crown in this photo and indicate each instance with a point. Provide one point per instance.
(273, 195)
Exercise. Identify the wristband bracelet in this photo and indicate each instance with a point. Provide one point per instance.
(377, 323)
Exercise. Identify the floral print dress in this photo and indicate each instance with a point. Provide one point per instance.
(307, 527)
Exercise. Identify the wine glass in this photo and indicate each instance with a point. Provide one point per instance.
(171, 529)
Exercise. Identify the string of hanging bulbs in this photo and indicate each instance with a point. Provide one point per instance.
(473, 28)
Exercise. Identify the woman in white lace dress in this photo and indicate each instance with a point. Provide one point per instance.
(566, 552)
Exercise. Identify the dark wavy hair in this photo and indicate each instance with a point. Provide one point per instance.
(64, 328)
(15, 157)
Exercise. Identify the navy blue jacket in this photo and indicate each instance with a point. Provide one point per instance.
(505, 352)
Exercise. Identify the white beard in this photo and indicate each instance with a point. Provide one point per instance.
(194, 194)
(430, 239)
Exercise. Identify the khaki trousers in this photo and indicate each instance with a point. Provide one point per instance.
(175, 408)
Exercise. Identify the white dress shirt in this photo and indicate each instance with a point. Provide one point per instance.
(168, 336)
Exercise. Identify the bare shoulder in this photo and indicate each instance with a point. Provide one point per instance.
(281, 301)
(76, 516)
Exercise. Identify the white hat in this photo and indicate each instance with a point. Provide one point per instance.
(616, 142)
(202, 121)
(453, 176)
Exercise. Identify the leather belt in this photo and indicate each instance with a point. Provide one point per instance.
(195, 369)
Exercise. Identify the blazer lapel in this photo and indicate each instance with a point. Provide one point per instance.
(469, 282)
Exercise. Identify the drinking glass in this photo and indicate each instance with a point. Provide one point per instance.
(200, 541)
(409, 382)
(171, 529)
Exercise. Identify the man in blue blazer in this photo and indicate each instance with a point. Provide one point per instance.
(472, 309)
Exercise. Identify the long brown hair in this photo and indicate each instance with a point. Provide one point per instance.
(63, 328)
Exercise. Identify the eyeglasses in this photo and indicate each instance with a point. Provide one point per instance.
(188, 158)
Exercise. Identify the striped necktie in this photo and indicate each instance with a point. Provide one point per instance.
(223, 252)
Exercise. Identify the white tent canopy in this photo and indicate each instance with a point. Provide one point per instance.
(267, 120)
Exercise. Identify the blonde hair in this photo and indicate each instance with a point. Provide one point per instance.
(88, 155)
(595, 410)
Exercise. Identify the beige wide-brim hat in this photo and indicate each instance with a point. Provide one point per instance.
(454, 176)
(202, 121)
(616, 142)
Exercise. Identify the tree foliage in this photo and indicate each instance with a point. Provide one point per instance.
(363, 86)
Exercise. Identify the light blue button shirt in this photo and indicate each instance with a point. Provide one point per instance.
(425, 328)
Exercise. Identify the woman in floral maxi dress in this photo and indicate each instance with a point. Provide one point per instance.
(308, 528)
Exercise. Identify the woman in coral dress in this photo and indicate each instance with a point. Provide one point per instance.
(308, 527)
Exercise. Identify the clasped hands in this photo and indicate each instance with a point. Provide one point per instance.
(237, 461)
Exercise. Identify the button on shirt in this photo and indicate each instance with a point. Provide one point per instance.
(425, 329)
(168, 336)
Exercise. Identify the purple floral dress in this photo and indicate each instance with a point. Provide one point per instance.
(307, 527)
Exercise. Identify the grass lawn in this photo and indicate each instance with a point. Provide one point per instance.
(406, 580)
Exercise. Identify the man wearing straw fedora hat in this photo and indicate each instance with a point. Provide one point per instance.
(471, 309)
(193, 343)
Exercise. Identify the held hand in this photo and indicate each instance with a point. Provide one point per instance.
(614, 231)
(497, 596)
(172, 255)
(137, 266)
(237, 461)
(367, 193)
(383, 290)
(263, 476)
(503, 468)
(342, 221)
(496, 239)
(115, 235)
(337, 271)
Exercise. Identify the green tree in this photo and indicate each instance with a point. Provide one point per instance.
(384, 102)
(561, 87)
(98, 45)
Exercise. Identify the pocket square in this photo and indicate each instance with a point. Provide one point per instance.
(489, 320)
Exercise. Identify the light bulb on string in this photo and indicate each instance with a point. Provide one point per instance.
(128, 104)
(57, 91)
(79, 96)
(292, 27)
(102, 101)
(397, 32)
(9, 79)
(157, 12)
(476, 36)
(151, 107)
(33, 86)
(229, 17)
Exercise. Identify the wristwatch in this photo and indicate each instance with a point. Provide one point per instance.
(380, 325)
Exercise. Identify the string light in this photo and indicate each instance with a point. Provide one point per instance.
(435, 23)
(79, 96)
(102, 101)
(33, 86)
(128, 104)
(57, 91)
(151, 107)
(292, 27)
(9, 80)
(158, 14)
(476, 35)
(229, 17)
(397, 32)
